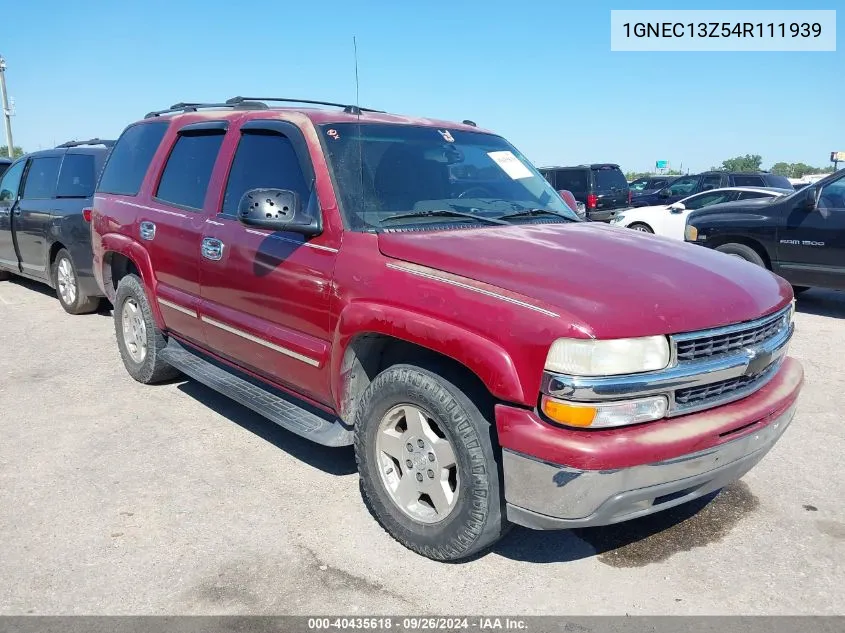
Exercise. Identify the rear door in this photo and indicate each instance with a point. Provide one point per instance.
(266, 295)
(171, 225)
(9, 198)
(610, 187)
(37, 207)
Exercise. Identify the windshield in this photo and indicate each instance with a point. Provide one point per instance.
(383, 170)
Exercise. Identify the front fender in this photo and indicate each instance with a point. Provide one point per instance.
(485, 358)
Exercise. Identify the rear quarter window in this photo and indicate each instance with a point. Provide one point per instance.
(749, 181)
(574, 180)
(131, 157)
(77, 177)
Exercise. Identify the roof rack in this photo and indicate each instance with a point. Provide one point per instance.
(348, 109)
(93, 141)
(193, 106)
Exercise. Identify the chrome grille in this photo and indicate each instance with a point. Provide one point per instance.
(704, 345)
(733, 388)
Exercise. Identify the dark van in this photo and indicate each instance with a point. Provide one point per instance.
(602, 187)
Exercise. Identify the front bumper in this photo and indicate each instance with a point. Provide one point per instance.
(590, 478)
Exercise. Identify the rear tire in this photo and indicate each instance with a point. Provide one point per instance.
(66, 283)
(641, 227)
(410, 464)
(139, 340)
(743, 252)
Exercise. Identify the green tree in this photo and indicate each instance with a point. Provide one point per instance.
(749, 162)
(782, 169)
(16, 151)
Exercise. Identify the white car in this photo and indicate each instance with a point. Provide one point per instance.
(669, 219)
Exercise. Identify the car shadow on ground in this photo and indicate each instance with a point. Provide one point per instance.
(35, 286)
(822, 302)
(335, 461)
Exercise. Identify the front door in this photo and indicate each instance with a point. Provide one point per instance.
(9, 190)
(266, 294)
(37, 208)
(811, 243)
(681, 188)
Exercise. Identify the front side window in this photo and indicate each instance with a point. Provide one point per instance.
(682, 186)
(131, 157)
(10, 185)
(263, 160)
(639, 184)
(706, 199)
(41, 178)
(383, 170)
(77, 177)
(833, 195)
(187, 172)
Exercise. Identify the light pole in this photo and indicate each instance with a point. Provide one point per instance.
(4, 102)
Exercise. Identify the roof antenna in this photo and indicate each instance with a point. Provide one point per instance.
(357, 100)
(358, 113)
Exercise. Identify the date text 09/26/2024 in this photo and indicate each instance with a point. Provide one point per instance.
(422, 623)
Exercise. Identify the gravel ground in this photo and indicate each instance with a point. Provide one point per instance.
(118, 498)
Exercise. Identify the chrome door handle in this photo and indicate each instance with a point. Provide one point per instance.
(147, 230)
(212, 249)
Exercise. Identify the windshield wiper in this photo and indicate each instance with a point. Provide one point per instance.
(531, 212)
(446, 213)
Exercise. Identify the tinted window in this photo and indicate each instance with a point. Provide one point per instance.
(130, 158)
(639, 184)
(77, 177)
(41, 178)
(658, 183)
(263, 160)
(749, 181)
(833, 196)
(711, 181)
(188, 169)
(778, 181)
(706, 199)
(574, 180)
(609, 179)
(683, 186)
(749, 195)
(10, 184)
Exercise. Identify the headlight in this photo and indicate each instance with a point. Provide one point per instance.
(600, 415)
(690, 233)
(589, 357)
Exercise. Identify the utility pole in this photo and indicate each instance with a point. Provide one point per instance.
(4, 102)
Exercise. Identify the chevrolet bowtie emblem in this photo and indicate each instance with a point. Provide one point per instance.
(758, 360)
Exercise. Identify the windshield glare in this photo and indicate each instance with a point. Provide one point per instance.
(381, 170)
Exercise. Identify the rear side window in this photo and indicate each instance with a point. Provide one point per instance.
(77, 177)
(711, 181)
(574, 180)
(608, 179)
(188, 169)
(263, 159)
(749, 181)
(130, 158)
(41, 178)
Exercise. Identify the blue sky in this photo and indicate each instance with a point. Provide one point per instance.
(540, 73)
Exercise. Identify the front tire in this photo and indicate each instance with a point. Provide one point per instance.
(66, 283)
(641, 227)
(428, 468)
(743, 252)
(139, 340)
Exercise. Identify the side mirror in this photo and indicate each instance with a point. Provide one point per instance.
(279, 210)
(677, 207)
(811, 201)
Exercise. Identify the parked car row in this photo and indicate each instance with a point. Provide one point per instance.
(417, 289)
(601, 188)
(685, 186)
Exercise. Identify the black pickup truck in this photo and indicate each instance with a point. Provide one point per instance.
(801, 237)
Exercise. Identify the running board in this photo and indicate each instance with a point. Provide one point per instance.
(299, 418)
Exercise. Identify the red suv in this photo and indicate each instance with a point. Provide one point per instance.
(416, 288)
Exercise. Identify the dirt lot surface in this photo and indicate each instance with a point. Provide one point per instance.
(119, 498)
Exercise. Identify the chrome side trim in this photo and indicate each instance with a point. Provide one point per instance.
(177, 307)
(281, 238)
(260, 341)
(667, 381)
(148, 208)
(487, 293)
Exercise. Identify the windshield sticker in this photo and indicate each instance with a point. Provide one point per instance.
(447, 136)
(510, 164)
(333, 134)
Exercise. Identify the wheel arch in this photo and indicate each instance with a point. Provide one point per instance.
(721, 240)
(120, 257)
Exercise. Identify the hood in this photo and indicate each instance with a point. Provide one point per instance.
(751, 206)
(606, 281)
